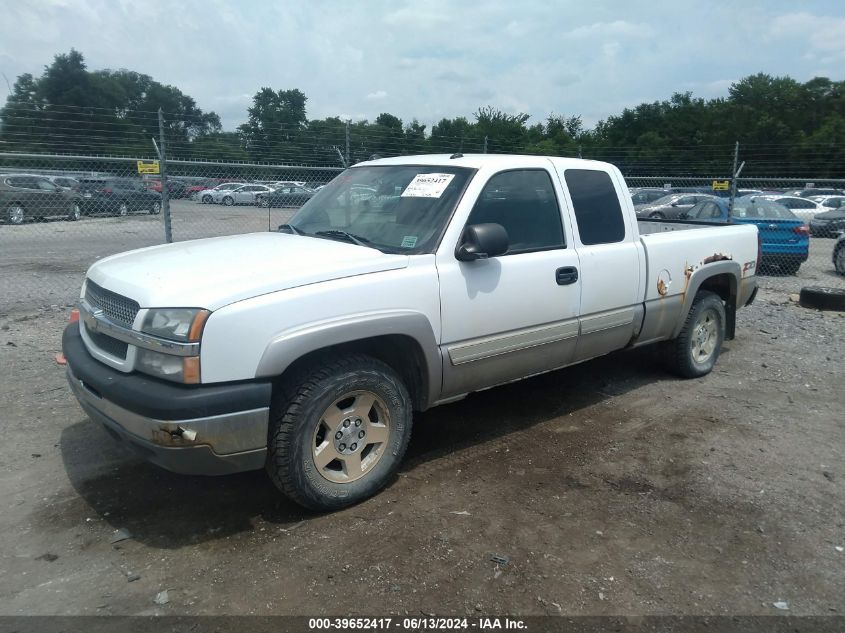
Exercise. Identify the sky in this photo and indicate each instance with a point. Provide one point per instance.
(429, 59)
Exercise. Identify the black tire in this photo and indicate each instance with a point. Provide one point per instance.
(15, 213)
(822, 298)
(656, 216)
(228, 201)
(74, 213)
(207, 199)
(123, 209)
(683, 358)
(156, 208)
(299, 413)
(790, 268)
(839, 259)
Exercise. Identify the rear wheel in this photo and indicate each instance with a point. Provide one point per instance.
(207, 200)
(695, 351)
(15, 213)
(338, 432)
(790, 268)
(156, 208)
(74, 213)
(656, 215)
(228, 201)
(123, 209)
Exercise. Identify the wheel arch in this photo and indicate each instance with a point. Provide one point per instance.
(720, 277)
(404, 341)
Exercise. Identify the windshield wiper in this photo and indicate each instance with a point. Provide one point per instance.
(355, 239)
(285, 228)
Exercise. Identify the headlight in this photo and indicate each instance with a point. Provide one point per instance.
(176, 324)
(184, 369)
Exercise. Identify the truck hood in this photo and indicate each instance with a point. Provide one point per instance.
(215, 272)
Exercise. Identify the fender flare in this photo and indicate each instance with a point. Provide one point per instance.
(290, 345)
(702, 274)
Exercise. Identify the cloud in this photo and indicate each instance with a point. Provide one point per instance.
(378, 95)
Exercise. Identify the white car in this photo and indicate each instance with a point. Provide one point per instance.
(206, 196)
(803, 208)
(244, 194)
(829, 202)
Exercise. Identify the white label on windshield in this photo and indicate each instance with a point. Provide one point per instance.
(427, 186)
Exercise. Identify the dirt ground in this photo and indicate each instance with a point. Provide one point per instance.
(608, 488)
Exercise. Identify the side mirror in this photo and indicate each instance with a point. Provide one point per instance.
(481, 241)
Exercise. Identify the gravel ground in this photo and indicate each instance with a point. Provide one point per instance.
(610, 487)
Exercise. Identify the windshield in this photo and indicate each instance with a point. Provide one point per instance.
(394, 208)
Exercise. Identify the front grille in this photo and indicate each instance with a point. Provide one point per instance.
(109, 345)
(117, 308)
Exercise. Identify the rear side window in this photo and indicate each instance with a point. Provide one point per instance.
(596, 206)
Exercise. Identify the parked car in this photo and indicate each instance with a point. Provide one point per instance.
(785, 238)
(804, 208)
(807, 193)
(839, 254)
(242, 194)
(642, 196)
(25, 197)
(828, 223)
(306, 352)
(201, 184)
(66, 183)
(829, 202)
(672, 206)
(285, 197)
(175, 188)
(209, 196)
(117, 196)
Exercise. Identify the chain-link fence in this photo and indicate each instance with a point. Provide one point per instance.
(60, 213)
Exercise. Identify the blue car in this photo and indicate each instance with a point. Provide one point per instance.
(785, 237)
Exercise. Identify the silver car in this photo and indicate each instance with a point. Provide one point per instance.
(245, 194)
(206, 196)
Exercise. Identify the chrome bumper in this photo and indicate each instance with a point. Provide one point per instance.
(214, 445)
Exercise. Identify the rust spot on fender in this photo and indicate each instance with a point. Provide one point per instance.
(716, 257)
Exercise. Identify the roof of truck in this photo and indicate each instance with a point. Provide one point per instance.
(477, 161)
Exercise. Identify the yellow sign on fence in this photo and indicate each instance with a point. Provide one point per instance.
(718, 185)
(148, 167)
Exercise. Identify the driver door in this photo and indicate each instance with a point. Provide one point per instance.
(515, 314)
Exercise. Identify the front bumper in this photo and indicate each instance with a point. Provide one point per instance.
(200, 430)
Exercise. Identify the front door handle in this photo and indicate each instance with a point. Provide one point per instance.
(566, 275)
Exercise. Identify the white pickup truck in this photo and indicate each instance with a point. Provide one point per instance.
(404, 284)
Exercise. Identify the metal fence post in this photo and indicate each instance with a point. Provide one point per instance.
(165, 191)
(734, 175)
(346, 160)
(485, 143)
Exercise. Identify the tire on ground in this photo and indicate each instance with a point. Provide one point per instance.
(822, 298)
(707, 313)
(299, 405)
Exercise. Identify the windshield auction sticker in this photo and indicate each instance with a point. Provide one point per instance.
(427, 186)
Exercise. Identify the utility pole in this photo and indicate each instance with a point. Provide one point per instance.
(165, 191)
(347, 142)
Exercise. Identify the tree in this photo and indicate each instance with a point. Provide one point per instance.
(275, 122)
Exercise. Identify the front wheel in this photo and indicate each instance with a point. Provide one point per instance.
(123, 209)
(839, 260)
(656, 216)
(228, 201)
(338, 432)
(156, 208)
(695, 351)
(207, 199)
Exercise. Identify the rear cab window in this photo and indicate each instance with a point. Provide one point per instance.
(596, 206)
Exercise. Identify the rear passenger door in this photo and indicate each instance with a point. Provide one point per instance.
(516, 314)
(610, 261)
